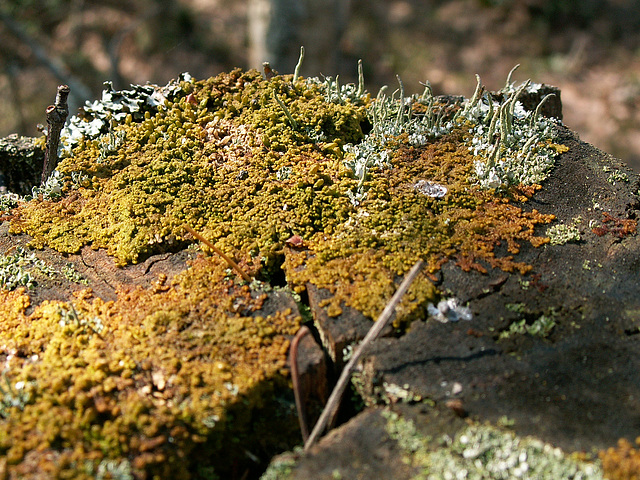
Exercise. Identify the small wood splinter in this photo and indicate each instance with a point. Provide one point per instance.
(295, 378)
(226, 258)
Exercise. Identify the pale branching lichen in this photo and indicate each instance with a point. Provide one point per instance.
(95, 117)
(8, 201)
(513, 145)
(13, 395)
(69, 272)
(391, 393)
(112, 469)
(282, 467)
(52, 188)
(22, 269)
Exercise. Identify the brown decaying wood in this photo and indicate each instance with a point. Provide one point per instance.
(384, 318)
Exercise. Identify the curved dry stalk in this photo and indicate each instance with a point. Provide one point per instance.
(226, 258)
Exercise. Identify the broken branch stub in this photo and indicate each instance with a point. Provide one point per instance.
(56, 116)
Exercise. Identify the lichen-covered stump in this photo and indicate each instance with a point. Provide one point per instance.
(129, 354)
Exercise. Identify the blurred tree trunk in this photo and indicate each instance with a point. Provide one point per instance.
(277, 29)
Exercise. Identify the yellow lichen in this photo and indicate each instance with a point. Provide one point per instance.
(239, 158)
(396, 224)
(166, 378)
(621, 462)
(205, 163)
(173, 375)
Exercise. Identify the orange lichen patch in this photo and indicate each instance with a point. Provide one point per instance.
(397, 224)
(621, 462)
(163, 381)
(618, 227)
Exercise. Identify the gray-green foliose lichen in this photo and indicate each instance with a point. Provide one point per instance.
(485, 452)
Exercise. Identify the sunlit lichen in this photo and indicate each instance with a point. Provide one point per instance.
(250, 162)
(21, 268)
(560, 234)
(621, 462)
(161, 382)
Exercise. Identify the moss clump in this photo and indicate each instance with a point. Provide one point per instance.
(212, 158)
(165, 381)
(396, 224)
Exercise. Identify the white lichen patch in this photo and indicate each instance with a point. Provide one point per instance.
(448, 310)
(115, 105)
(510, 151)
(21, 268)
(393, 393)
(483, 452)
(513, 145)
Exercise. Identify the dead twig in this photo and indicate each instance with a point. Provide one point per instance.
(226, 258)
(383, 320)
(56, 116)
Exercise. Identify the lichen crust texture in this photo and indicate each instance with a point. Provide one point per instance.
(165, 382)
(370, 185)
(486, 452)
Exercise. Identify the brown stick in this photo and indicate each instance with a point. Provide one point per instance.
(295, 379)
(56, 116)
(226, 258)
(383, 320)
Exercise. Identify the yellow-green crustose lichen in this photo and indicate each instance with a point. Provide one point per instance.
(202, 159)
(250, 162)
(165, 382)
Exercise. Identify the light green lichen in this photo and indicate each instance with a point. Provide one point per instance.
(282, 467)
(616, 176)
(560, 234)
(484, 452)
(69, 272)
(540, 327)
(22, 268)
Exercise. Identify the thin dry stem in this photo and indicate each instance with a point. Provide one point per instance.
(226, 258)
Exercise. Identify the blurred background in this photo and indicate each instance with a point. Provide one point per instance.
(590, 49)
